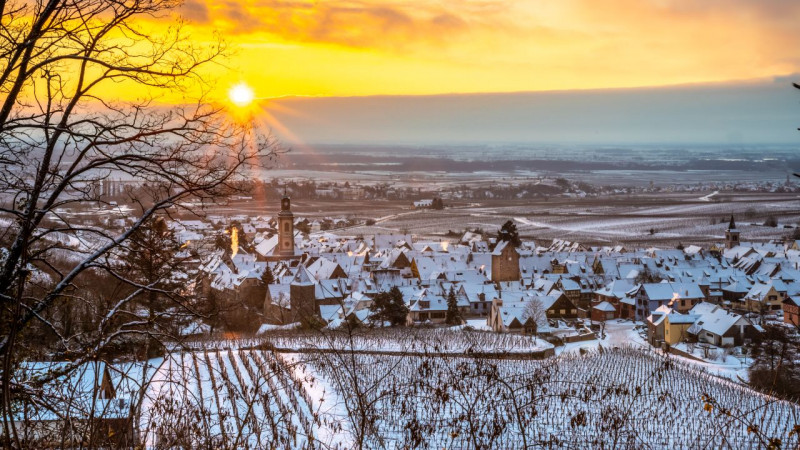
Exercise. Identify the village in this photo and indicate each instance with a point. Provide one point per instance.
(281, 290)
(271, 291)
(700, 302)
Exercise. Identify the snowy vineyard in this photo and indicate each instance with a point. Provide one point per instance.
(625, 398)
(438, 341)
(620, 399)
(409, 340)
(227, 399)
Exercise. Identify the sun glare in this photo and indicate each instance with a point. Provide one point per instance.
(241, 95)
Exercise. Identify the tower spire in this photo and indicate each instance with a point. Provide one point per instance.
(731, 235)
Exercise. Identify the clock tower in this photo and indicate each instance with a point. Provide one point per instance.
(285, 229)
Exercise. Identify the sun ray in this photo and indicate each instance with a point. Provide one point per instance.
(241, 95)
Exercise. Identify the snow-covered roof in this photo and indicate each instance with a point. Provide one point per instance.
(713, 319)
(605, 307)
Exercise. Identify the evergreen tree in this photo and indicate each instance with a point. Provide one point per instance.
(150, 259)
(389, 307)
(775, 367)
(267, 277)
(453, 317)
(508, 232)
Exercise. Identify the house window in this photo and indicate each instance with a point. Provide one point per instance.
(286, 226)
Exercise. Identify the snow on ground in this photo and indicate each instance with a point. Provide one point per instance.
(242, 398)
(732, 367)
(270, 327)
(333, 430)
(410, 341)
(307, 390)
(707, 198)
(667, 409)
(597, 228)
(475, 324)
(619, 333)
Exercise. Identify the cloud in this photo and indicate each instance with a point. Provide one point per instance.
(195, 10)
(406, 24)
(352, 47)
(353, 23)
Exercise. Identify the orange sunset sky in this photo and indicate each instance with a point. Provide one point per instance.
(391, 47)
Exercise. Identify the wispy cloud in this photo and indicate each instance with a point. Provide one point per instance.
(426, 46)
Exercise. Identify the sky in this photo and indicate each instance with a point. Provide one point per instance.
(413, 47)
(411, 70)
(736, 114)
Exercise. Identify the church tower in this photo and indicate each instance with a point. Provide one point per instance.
(731, 235)
(285, 228)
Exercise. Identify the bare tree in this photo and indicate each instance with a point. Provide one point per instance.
(535, 310)
(60, 139)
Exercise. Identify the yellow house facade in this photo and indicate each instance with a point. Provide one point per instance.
(676, 326)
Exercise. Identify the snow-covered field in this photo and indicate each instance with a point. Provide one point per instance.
(624, 398)
(411, 340)
(229, 399)
(673, 218)
(618, 397)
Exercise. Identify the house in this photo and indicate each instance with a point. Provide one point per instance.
(616, 293)
(559, 306)
(680, 296)
(766, 297)
(571, 289)
(479, 297)
(302, 296)
(665, 325)
(655, 325)
(555, 303)
(720, 327)
(325, 269)
(94, 399)
(791, 311)
(505, 262)
(676, 326)
(234, 280)
(736, 290)
(603, 311)
(514, 317)
(427, 307)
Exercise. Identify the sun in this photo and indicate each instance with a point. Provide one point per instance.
(241, 94)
